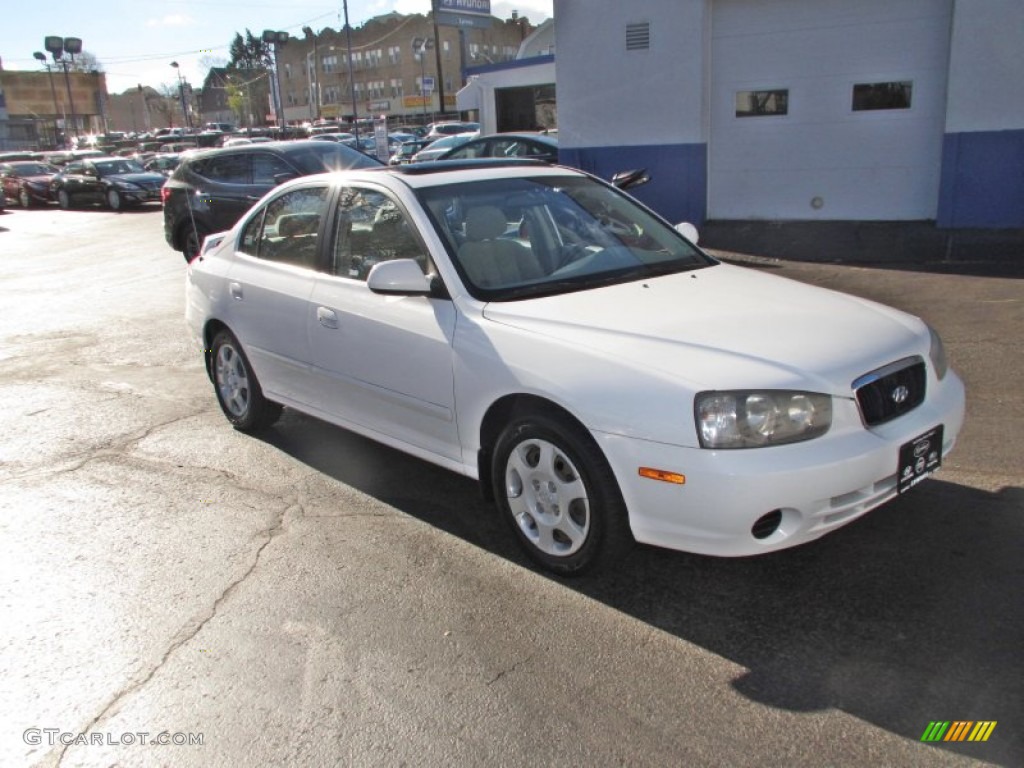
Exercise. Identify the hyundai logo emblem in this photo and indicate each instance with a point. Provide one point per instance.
(900, 394)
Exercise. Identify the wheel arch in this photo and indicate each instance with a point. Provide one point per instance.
(210, 331)
(501, 412)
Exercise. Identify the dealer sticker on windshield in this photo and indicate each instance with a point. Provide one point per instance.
(919, 458)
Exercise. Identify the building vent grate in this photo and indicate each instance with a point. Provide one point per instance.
(638, 36)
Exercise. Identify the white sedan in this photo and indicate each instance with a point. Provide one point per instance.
(605, 381)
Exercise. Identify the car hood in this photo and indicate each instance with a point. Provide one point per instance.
(39, 178)
(726, 327)
(138, 178)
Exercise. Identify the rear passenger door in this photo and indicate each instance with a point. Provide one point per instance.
(229, 191)
(270, 281)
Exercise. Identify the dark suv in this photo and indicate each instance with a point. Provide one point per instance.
(211, 190)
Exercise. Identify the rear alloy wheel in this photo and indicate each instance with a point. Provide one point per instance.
(555, 488)
(114, 200)
(25, 198)
(63, 199)
(238, 391)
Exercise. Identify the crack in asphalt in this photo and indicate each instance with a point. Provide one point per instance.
(117, 447)
(508, 670)
(190, 630)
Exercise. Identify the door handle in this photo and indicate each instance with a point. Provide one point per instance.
(327, 317)
(236, 291)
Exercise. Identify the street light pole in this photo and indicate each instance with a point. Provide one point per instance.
(57, 46)
(351, 81)
(181, 95)
(313, 76)
(53, 89)
(277, 39)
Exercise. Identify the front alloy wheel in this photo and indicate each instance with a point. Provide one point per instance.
(25, 198)
(63, 199)
(238, 392)
(557, 491)
(114, 200)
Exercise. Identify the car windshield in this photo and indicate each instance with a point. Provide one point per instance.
(111, 167)
(330, 156)
(524, 237)
(33, 169)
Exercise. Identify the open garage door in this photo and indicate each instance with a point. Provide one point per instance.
(827, 109)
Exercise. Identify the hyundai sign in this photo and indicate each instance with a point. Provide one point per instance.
(471, 7)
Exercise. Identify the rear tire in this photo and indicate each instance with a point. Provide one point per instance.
(555, 489)
(238, 391)
(192, 240)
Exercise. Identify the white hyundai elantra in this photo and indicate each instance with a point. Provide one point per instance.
(605, 380)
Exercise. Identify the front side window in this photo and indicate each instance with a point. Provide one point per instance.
(287, 229)
(266, 168)
(524, 237)
(371, 228)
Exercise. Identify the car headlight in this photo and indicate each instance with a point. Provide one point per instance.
(937, 353)
(752, 419)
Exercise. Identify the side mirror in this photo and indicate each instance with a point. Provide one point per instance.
(399, 277)
(687, 230)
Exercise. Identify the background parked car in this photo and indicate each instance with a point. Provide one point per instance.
(536, 146)
(211, 189)
(450, 128)
(441, 146)
(113, 181)
(164, 163)
(403, 152)
(27, 182)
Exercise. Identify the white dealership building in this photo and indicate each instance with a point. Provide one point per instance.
(872, 110)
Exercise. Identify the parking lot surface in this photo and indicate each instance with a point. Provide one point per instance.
(313, 598)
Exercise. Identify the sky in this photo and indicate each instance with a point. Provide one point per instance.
(135, 41)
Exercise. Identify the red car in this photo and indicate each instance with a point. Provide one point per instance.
(27, 181)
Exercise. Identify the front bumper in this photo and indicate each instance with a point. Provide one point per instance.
(818, 486)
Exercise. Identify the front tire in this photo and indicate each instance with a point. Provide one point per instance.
(114, 200)
(555, 488)
(63, 199)
(238, 391)
(25, 198)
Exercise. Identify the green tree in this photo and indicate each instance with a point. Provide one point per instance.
(249, 52)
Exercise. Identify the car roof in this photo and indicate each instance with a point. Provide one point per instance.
(441, 172)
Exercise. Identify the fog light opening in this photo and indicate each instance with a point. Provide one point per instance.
(766, 525)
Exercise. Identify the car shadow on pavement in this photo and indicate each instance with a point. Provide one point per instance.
(909, 615)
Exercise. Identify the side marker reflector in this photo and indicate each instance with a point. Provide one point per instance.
(664, 475)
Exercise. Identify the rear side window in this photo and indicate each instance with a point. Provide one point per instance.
(225, 169)
(287, 230)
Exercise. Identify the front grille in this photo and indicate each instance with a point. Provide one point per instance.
(890, 392)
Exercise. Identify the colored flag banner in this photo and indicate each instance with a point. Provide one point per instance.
(959, 730)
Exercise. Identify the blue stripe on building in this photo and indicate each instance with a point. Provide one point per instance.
(982, 180)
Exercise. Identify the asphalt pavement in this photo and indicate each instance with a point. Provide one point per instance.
(311, 598)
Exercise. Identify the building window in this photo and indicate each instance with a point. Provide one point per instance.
(395, 54)
(329, 63)
(638, 36)
(762, 103)
(396, 88)
(871, 96)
